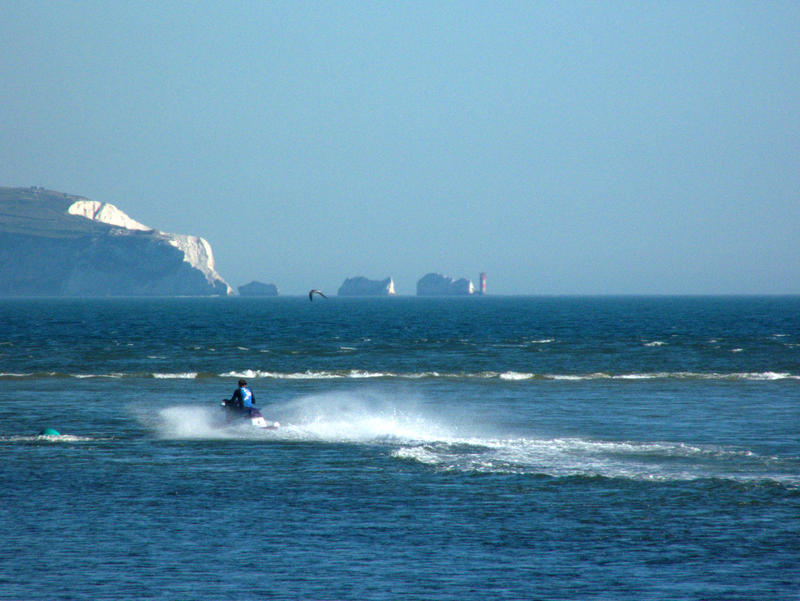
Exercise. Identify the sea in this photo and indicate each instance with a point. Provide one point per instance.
(615, 448)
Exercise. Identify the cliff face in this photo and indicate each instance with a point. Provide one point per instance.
(54, 244)
(361, 286)
(436, 284)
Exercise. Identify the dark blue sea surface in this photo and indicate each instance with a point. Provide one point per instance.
(440, 449)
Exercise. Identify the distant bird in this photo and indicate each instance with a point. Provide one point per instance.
(314, 291)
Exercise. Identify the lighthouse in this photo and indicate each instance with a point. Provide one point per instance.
(483, 283)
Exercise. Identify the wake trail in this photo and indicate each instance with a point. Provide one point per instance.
(413, 433)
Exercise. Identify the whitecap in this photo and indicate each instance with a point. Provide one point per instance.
(769, 375)
(247, 373)
(191, 375)
(510, 375)
(49, 438)
(354, 373)
(645, 376)
(514, 376)
(306, 375)
(114, 375)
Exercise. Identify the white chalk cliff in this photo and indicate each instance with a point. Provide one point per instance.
(105, 213)
(58, 244)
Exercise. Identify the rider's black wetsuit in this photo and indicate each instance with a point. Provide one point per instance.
(243, 399)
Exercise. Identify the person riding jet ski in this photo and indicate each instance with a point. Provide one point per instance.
(243, 398)
(243, 404)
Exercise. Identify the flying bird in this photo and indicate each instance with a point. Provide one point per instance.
(314, 291)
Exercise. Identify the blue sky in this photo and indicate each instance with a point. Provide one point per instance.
(562, 147)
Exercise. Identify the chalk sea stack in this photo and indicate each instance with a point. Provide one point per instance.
(361, 286)
(436, 284)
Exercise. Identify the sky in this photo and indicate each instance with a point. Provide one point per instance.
(560, 147)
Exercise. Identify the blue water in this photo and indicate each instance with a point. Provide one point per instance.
(475, 448)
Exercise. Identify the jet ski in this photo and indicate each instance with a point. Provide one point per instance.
(244, 415)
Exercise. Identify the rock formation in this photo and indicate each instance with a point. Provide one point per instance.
(258, 289)
(436, 284)
(55, 244)
(361, 286)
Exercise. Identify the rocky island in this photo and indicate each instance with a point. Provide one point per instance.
(258, 289)
(56, 244)
(436, 284)
(361, 286)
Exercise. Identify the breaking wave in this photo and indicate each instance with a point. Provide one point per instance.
(48, 439)
(359, 374)
(190, 375)
(507, 375)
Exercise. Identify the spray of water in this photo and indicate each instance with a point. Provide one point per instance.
(413, 433)
(364, 418)
(334, 417)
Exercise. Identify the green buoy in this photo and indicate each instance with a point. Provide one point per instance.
(49, 432)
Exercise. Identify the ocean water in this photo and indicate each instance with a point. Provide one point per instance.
(462, 448)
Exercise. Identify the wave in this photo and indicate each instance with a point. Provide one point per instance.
(514, 375)
(358, 374)
(507, 375)
(309, 374)
(523, 344)
(85, 376)
(190, 375)
(756, 376)
(47, 438)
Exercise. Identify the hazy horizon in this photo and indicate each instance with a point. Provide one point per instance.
(562, 148)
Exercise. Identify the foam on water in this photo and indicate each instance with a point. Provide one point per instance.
(513, 375)
(359, 418)
(362, 374)
(191, 375)
(646, 461)
(410, 433)
(47, 438)
(332, 417)
(508, 375)
(191, 422)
